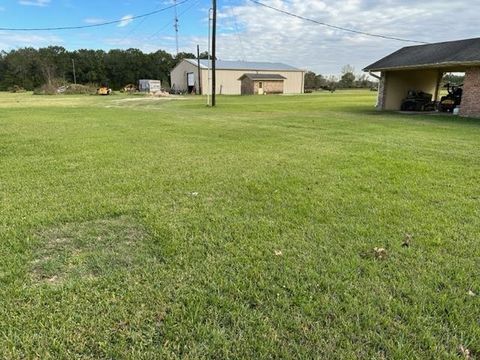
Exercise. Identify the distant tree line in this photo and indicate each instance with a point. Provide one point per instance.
(30, 68)
(453, 79)
(347, 80)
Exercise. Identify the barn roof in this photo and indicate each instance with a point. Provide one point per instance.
(265, 77)
(244, 65)
(437, 55)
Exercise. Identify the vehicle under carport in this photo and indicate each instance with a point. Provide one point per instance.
(421, 68)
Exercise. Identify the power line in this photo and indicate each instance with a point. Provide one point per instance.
(235, 23)
(95, 25)
(336, 27)
(140, 24)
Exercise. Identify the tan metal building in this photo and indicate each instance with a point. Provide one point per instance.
(184, 76)
(422, 67)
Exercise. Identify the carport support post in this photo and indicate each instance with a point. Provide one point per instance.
(437, 87)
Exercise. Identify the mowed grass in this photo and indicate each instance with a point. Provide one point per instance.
(140, 228)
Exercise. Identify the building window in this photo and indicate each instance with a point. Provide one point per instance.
(260, 85)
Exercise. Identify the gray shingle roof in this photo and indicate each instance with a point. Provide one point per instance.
(263, 77)
(437, 55)
(245, 65)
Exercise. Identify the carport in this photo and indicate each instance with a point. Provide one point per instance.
(421, 68)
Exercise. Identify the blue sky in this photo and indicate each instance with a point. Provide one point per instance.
(156, 31)
(246, 31)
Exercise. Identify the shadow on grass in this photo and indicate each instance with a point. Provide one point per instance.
(430, 117)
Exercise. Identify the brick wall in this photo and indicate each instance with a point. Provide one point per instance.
(381, 92)
(270, 87)
(471, 93)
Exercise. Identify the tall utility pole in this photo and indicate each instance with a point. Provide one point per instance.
(175, 25)
(214, 43)
(74, 75)
(199, 72)
(209, 88)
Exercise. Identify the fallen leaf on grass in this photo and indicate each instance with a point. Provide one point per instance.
(194, 193)
(52, 279)
(407, 240)
(471, 293)
(380, 253)
(462, 350)
(278, 253)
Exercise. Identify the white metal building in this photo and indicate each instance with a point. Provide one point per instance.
(184, 76)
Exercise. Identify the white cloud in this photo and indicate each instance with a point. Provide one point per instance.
(130, 42)
(10, 41)
(127, 19)
(250, 32)
(40, 3)
(247, 31)
(93, 21)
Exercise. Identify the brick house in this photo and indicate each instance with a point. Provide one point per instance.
(422, 67)
(259, 84)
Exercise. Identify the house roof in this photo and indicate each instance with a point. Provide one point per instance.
(244, 65)
(437, 55)
(266, 77)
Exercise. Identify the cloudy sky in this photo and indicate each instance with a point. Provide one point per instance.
(246, 30)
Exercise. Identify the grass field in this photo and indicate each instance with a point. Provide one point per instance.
(140, 228)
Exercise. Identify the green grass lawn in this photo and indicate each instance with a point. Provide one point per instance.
(140, 228)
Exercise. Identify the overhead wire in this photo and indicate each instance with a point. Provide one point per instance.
(240, 41)
(335, 26)
(137, 26)
(95, 25)
(180, 14)
(130, 34)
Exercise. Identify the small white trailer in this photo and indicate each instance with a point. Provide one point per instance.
(149, 86)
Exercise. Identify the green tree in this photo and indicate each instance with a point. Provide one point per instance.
(160, 64)
(89, 66)
(53, 62)
(21, 67)
(183, 55)
(30, 68)
(310, 80)
(348, 77)
(204, 55)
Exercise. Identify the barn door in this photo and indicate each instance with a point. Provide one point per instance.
(190, 82)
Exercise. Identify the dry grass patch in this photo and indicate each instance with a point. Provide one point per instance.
(87, 249)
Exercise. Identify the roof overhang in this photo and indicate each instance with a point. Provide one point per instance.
(446, 66)
(263, 77)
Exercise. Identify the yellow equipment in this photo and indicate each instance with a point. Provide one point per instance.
(104, 90)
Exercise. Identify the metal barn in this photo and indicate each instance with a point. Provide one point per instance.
(184, 77)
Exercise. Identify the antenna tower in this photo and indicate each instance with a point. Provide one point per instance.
(175, 25)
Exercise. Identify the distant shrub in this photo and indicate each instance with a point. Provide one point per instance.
(62, 87)
(78, 89)
(16, 89)
(45, 89)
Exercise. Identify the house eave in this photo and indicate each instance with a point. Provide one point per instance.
(452, 66)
